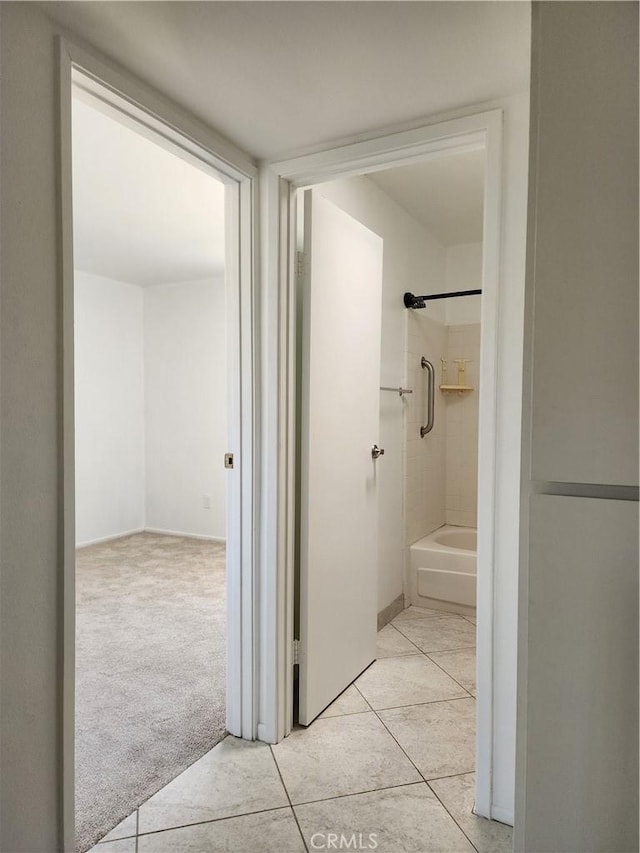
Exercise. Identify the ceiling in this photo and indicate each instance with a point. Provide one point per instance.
(282, 77)
(141, 213)
(277, 78)
(445, 194)
(146, 216)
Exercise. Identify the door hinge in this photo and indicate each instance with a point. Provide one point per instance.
(228, 460)
(296, 652)
(299, 264)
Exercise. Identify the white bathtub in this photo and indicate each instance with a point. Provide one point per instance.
(443, 569)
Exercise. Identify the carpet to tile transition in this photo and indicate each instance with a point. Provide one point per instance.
(150, 670)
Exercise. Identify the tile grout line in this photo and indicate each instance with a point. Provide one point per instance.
(442, 651)
(431, 614)
(420, 773)
(395, 620)
(450, 776)
(375, 712)
(415, 704)
(430, 652)
(461, 686)
(444, 615)
(291, 805)
(447, 810)
(433, 651)
(356, 793)
(437, 652)
(293, 811)
(426, 655)
(407, 639)
(319, 718)
(422, 651)
(204, 822)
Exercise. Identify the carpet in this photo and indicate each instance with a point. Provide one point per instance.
(150, 670)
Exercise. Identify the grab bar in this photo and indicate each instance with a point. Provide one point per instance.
(426, 365)
(400, 391)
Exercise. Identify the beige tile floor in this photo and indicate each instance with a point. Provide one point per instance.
(391, 760)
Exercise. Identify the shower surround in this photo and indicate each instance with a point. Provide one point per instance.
(441, 469)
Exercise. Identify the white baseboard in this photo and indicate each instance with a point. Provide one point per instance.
(157, 530)
(161, 532)
(110, 538)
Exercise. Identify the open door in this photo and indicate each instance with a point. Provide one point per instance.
(340, 413)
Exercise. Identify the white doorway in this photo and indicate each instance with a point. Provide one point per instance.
(231, 289)
(151, 433)
(366, 344)
(473, 133)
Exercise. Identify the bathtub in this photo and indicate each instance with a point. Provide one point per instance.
(443, 569)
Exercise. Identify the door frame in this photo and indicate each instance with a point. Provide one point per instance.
(152, 114)
(280, 181)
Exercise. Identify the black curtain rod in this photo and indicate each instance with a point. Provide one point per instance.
(411, 301)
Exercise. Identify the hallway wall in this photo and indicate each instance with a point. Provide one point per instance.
(35, 758)
(31, 719)
(577, 757)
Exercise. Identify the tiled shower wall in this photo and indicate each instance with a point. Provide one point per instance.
(461, 469)
(425, 457)
(441, 469)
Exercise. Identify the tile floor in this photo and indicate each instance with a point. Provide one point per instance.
(391, 759)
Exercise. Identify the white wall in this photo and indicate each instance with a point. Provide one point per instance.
(31, 718)
(151, 409)
(185, 407)
(464, 272)
(109, 408)
(412, 260)
(577, 769)
(461, 490)
(442, 468)
(425, 475)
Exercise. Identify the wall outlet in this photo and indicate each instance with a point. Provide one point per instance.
(206, 501)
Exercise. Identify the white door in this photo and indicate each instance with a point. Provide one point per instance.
(340, 413)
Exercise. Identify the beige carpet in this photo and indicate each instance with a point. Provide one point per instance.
(150, 670)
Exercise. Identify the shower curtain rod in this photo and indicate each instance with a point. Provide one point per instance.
(411, 301)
